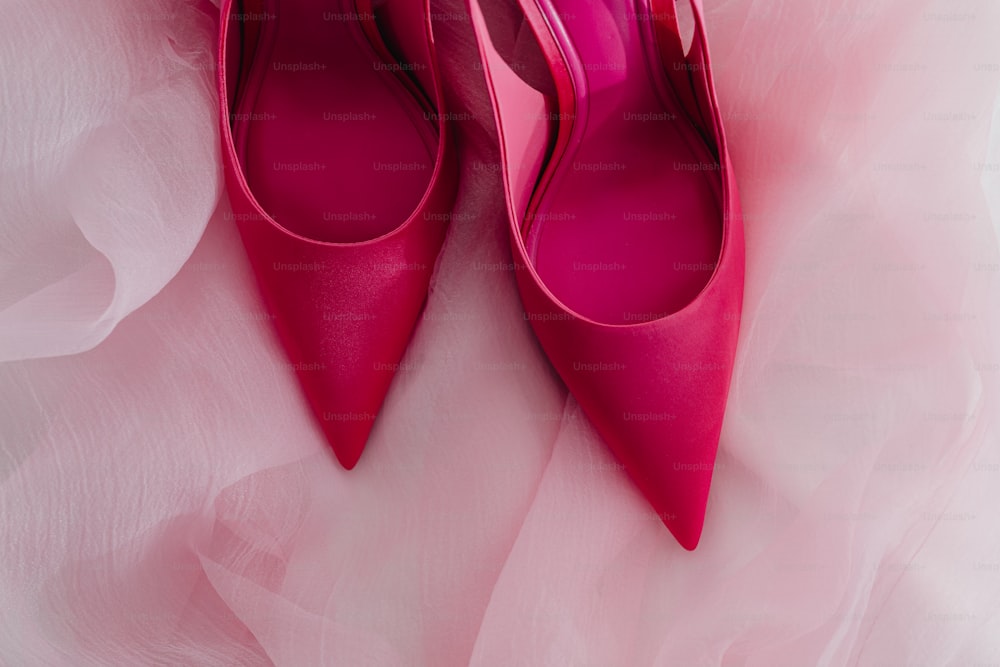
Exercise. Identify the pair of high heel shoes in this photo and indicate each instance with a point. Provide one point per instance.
(625, 224)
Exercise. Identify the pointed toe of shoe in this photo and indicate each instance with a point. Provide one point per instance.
(344, 312)
(688, 534)
(667, 436)
(345, 366)
(346, 439)
(345, 397)
(678, 492)
(667, 444)
(656, 393)
(346, 344)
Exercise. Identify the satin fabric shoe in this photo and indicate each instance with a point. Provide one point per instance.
(625, 224)
(341, 176)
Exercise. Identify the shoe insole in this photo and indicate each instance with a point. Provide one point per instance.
(629, 228)
(334, 144)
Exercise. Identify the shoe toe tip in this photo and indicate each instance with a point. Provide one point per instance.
(347, 456)
(347, 440)
(687, 535)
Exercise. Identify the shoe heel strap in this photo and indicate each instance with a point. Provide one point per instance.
(684, 70)
(246, 16)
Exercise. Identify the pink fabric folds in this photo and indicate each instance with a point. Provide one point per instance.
(165, 497)
(109, 167)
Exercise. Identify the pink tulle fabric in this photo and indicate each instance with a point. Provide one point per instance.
(165, 497)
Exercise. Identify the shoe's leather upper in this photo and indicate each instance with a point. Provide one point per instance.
(656, 391)
(344, 311)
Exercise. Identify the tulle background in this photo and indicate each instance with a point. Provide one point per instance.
(166, 499)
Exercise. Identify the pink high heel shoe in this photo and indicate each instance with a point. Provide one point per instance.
(625, 224)
(341, 176)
